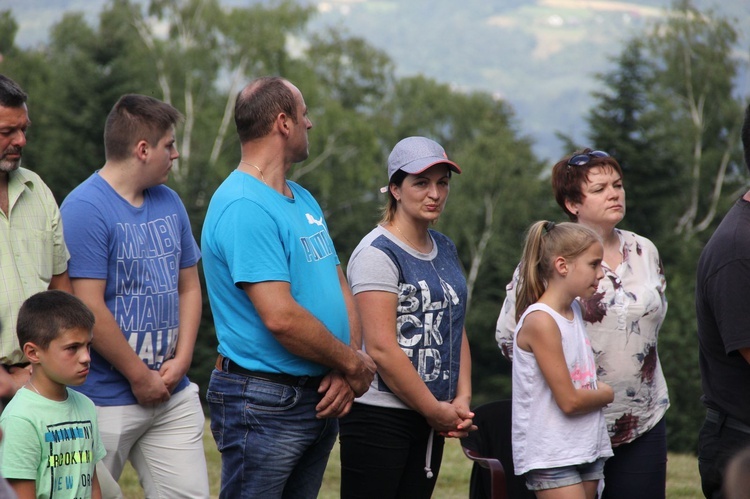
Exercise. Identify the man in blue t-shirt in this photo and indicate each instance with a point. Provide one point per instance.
(134, 263)
(289, 360)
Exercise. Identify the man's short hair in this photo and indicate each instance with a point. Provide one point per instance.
(46, 315)
(258, 105)
(134, 118)
(11, 94)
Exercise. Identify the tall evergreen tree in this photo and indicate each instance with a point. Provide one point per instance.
(619, 124)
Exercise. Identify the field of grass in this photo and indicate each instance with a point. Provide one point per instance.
(683, 481)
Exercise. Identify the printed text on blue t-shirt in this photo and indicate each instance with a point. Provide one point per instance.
(147, 299)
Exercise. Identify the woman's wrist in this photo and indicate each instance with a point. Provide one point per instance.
(462, 399)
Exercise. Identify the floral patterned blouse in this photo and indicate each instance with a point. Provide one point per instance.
(622, 319)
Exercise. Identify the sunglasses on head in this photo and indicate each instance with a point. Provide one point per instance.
(582, 159)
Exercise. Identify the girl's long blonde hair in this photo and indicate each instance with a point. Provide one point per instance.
(546, 241)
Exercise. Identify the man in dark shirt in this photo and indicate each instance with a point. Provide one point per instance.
(723, 314)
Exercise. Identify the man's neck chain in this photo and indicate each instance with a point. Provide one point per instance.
(262, 178)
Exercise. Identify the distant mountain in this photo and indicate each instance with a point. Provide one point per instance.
(538, 55)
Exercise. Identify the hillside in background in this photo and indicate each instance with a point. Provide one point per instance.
(541, 56)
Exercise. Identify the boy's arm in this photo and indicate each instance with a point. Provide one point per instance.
(96, 490)
(21, 450)
(24, 489)
(189, 289)
(110, 343)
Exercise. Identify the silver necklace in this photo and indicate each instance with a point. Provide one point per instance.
(409, 240)
(32, 386)
(262, 178)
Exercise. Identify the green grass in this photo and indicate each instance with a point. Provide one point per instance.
(683, 481)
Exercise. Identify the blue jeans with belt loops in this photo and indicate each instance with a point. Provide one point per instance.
(271, 443)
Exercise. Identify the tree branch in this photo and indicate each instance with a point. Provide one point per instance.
(478, 251)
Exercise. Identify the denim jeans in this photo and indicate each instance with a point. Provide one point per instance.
(271, 443)
(565, 476)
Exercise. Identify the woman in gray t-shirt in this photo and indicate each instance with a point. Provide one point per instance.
(411, 295)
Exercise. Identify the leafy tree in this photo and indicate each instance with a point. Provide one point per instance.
(492, 203)
(64, 103)
(693, 88)
(621, 125)
(355, 74)
(193, 47)
(8, 31)
(346, 81)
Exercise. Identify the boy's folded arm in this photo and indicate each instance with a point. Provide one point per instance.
(96, 489)
(24, 489)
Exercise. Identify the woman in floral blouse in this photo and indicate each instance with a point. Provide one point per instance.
(622, 319)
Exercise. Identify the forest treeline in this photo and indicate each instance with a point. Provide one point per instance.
(669, 112)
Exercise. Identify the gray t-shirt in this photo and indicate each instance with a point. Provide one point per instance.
(431, 307)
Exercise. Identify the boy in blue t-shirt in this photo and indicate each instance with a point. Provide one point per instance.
(51, 438)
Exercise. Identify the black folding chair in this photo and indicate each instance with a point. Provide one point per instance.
(492, 476)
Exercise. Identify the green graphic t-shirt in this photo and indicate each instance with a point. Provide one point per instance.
(56, 444)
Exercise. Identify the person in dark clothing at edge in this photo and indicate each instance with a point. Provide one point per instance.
(721, 291)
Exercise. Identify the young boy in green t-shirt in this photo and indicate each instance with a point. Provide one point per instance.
(51, 439)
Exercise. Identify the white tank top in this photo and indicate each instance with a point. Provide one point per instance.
(543, 436)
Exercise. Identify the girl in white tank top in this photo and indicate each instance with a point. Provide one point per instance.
(560, 438)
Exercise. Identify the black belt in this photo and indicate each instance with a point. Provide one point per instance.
(226, 365)
(714, 416)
